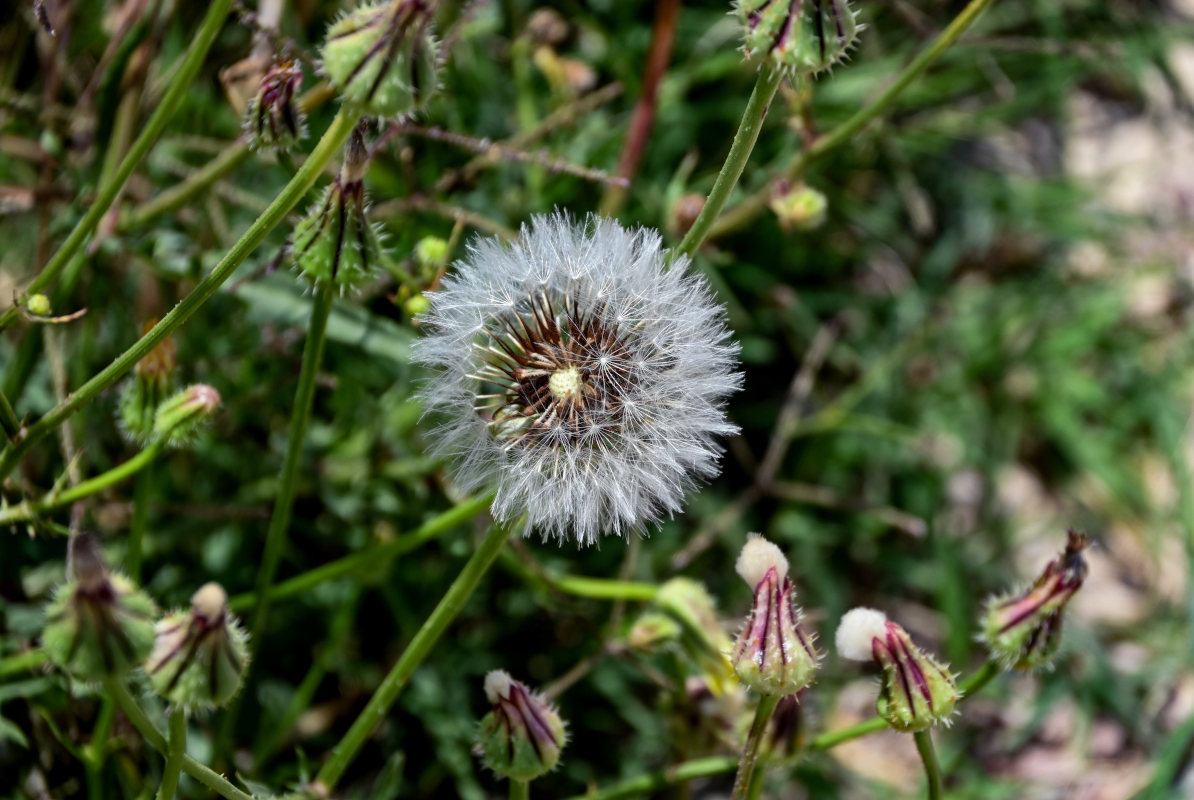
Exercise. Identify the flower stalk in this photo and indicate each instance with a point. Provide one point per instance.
(754, 742)
(928, 755)
(176, 747)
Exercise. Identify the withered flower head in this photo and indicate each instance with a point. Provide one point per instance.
(273, 119)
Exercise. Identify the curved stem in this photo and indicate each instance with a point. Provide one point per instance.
(418, 649)
(924, 746)
(731, 170)
(136, 715)
(275, 537)
(176, 748)
(520, 790)
(166, 108)
(750, 754)
(978, 680)
(294, 191)
(738, 216)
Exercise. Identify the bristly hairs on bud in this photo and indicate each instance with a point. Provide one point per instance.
(522, 736)
(801, 37)
(273, 119)
(180, 418)
(335, 242)
(154, 379)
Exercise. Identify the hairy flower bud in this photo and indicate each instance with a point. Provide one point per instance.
(773, 655)
(98, 623)
(200, 655)
(704, 639)
(152, 382)
(384, 57)
(179, 418)
(917, 691)
(803, 37)
(1023, 629)
(273, 119)
(335, 242)
(521, 738)
(799, 207)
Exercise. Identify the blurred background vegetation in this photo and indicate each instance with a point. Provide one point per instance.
(985, 342)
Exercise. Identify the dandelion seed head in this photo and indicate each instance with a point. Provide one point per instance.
(858, 628)
(578, 376)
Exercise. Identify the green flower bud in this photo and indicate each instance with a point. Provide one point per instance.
(704, 639)
(38, 304)
(772, 655)
(384, 57)
(152, 382)
(200, 656)
(335, 242)
(1023, 629)
(180, 417)
(521, 738)
(800, 207)
(431, 252)
(653, 629)
(272, 119)
(803, 37)
(917, 691)
(98, 623)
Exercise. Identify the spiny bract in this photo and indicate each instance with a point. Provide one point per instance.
(580, 377)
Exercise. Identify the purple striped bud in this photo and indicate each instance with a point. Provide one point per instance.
(521, 738)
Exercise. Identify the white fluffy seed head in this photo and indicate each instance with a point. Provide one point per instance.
(578, 376)
(858, 628)
(759, 555)
(497, 685)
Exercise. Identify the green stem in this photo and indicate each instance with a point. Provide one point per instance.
(371, 556)
(832, 739)
(603, 588)
(987, 673)
(8, 418)
(142, 491)
(288, 198)
(741, 214)
(30, 509)
(924, 746)
(418, 649)
(166, 108)
(275, 537)
(754, 741)
(744, 141)
(136, 715)
(520, 790)
(28, 661)
(176, 749)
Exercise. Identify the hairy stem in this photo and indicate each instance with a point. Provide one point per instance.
(418, 649)
(294, 191)
(731, 170)
(924, 746)
(179, 86)
(176, 748)
(738, 216)
(754, 741)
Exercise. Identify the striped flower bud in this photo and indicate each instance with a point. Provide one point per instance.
(772, 655)
(1023, 629)
(98, 623)
(152, 382)
(521, 738)
(180, 417)
(384, 57)
(273, 119)
(200, 655)
(335, 242)
(917, 691)
(803, 37)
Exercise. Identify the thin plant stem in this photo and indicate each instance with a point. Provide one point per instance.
(987, 673)
(831, 739)
(754, 741)
(140, 720)
(924, 746)
(738, 216)
(201, 42)
(29, 661)
(294, 191)
(30, 509)
(176, 748)
(603, 588)
(744, 141)
(142, 491)
(8, 418)
(275, 537)
(369, 557)
(418, 649)
(520, 790)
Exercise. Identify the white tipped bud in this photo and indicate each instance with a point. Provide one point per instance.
(759, 555)
(209, 602)
(857, 630)
(497, 685)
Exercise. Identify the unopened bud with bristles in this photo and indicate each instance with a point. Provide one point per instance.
(181, 416)
(772, 655)
(273, 119)
(152, 382)
(1023, 629)
(200, 655)
(335, 243)
(384, 57)
(917, 691)
(521, 738)
(98, 623)
(801, 37)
